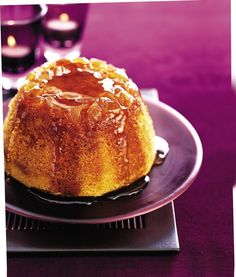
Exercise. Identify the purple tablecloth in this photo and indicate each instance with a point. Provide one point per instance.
(183, 50)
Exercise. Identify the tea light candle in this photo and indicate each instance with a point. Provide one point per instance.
(20, 33)
(15, 58)
(12, 50)
(63, 23)
(61, 31)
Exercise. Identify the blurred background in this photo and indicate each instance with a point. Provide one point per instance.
(183, 50)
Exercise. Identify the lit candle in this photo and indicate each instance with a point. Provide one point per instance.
(16, 58)
(63, 23)
(62, 31)
(12, 50)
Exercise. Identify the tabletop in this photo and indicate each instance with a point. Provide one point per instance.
(183, 50)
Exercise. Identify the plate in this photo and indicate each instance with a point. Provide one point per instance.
(167, 182)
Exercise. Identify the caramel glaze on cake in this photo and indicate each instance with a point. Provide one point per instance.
(78, 128)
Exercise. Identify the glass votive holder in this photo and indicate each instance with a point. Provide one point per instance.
(20, 32)
(63, 28)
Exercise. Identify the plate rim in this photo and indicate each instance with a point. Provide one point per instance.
(137, 212)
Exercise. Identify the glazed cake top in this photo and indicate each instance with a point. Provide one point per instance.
(93, 83)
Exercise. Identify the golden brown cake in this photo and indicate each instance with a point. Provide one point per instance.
(78, 128)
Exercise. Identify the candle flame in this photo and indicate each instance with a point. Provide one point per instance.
(10, 22)
(64, 17)
(11, 41)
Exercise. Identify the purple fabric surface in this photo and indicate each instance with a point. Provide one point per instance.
(182, 49)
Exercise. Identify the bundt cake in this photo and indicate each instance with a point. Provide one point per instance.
(78, 128)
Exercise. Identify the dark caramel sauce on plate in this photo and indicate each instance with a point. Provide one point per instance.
(132, 189)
